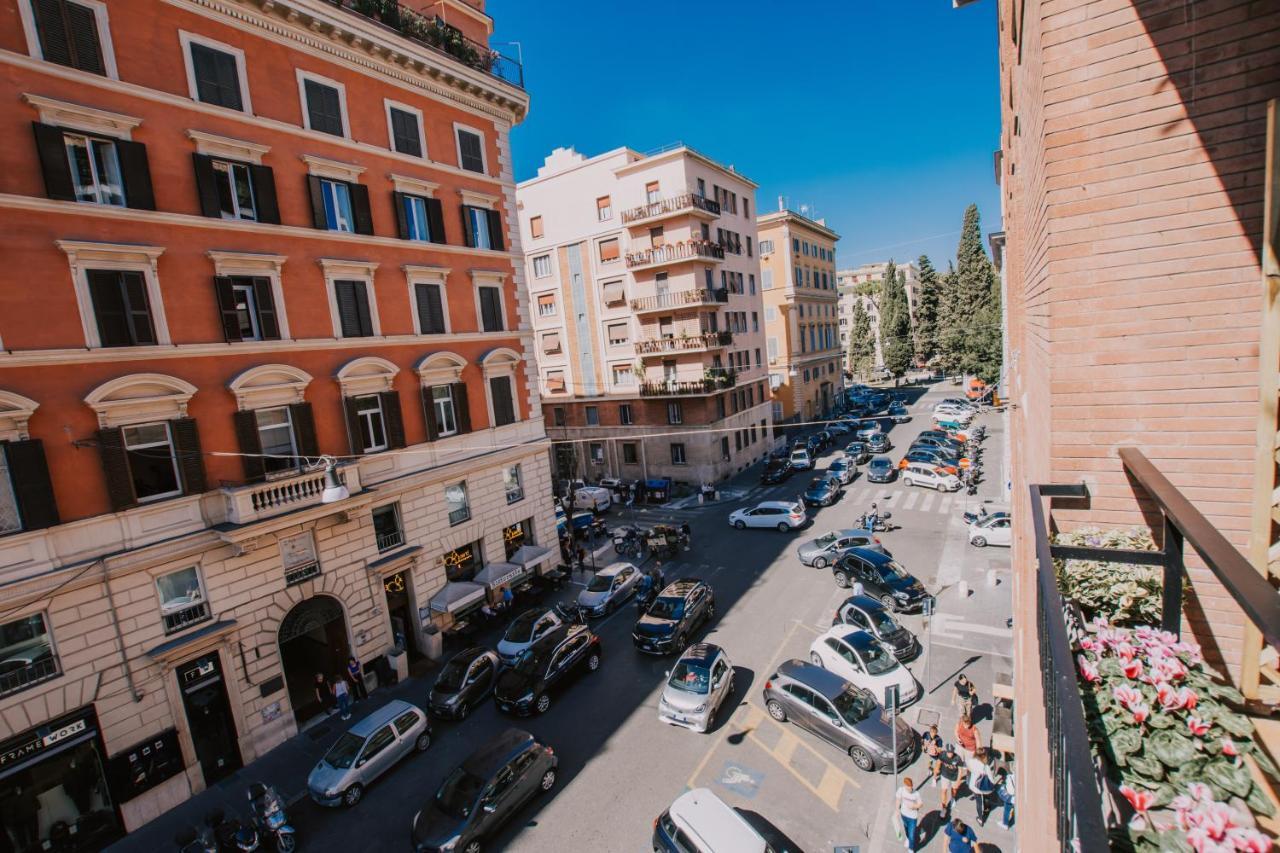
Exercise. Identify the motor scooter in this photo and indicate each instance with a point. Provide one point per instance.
(230, 834)
(196, 840)
(269, 817)
(883, 525)
(571, 613)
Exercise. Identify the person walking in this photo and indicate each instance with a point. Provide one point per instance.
(1005, 792)
(960, 837)
(964, 694)
(909, 805)
(933, 749)
(982, 783)
(951, 769)
(324, 693)
(966, 737)
(356, 676)
(508, 598)
(342, 693)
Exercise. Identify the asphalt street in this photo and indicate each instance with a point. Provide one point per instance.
(620, 767)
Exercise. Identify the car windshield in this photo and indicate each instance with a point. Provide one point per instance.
(450, 678)
(878, 661)
(892, 571)
(667, 608)
(690, 677)
(458, 793)
(825, 540)
(883, 621)
(879, 463)
(600, 583)
(521, 628)
(343, 753)
(854, 705)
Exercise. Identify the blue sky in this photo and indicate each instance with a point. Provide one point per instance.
(882, 115)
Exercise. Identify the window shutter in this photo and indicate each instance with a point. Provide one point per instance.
(324, 107)
(55, 44)
(139, 308)
(264, 194)
(304, 429)
(429, 414)
(430, 309)
(137, 175)
(495, 230)
(435, 220)
(268, 324)
(318, 219)
(468, 233)
(500, 392)
(29, 473)
(461, 410)
(392, 419)
(353, 425)
(227, 308)
(490, 309)
(115, 464)
(402, 222)
(250, 445)
(353, 309)
(469, 144)
(404, 127)
(207, 186)
(108, 308)
(186, 441)
(360, 208)
(217, 81)
(82, 33)
(53, 162)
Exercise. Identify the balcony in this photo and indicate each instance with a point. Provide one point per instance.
(680, 299)
(674, 388)
(674, 253)
(668, 207)
(30, 673)
(257, 501)
(687, 343)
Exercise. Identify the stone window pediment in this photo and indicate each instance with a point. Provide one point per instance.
(366, 375)
(269, 385)
(15, 411)
(140, 398)
(440, 368)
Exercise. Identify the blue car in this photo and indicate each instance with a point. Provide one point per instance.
(881, 470)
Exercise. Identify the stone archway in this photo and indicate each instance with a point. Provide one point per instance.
(313, 639)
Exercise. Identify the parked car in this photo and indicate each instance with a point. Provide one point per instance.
(595, 498)
(881, 578)
(899, 413)
(678, 611)
(775, 471)
(700, 822)
(608, 589)
(860, 659)
(842, 469)
(824, 439)
(822, 491)
(881, 470)
(879, 443)
(953, 413)
(525, 630)
(548, 666)
(483, 793)
(840, 713)
(949, 445)
(929, 457)
(581, 521)
(826, 549)
(937, 433)
(930, 476)
(801, 459)
(838, 428)
(858, 452)
(696, 687)
(866, 429)
(365, 751)
(781, 515)
(992, 530)
(463, 683)
(867, 614)
(957, 402)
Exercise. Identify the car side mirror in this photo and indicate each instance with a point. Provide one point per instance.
(668, 673)
(489, 808)
(360, 762)
(835, 721)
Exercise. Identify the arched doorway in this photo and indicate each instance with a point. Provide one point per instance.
(313, 638)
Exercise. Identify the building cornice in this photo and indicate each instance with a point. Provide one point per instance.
(677, 153)
(796, 220)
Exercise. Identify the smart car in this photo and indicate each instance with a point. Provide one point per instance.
(860, 659)
(696, 687)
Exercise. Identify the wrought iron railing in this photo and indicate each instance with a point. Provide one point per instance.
(29, 675)
(707, 340)
(459, 515)
(298, 574)
(391, 539)
(177, 619)
(672, 388)
(680, 299)
(687, 250)
(684, 201)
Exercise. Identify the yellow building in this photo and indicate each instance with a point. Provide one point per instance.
(798, 276)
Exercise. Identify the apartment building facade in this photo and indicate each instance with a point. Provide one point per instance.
(269, 240)
(849, 295)
(875, 272)
(644, 273)
(802, 341)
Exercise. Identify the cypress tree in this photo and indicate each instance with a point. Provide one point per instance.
(927, 308)
(862, 348)
(895, 323)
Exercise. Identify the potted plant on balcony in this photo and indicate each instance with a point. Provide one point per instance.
(1126, 594)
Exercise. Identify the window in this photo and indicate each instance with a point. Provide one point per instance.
(799, 275)
(404, 125)
(772, 346)
(596, 449)
(470, 149)
(724, 448)
(604, 208)
(746, 210)
(417, 219)
(443, 406)
(766, 247)
(542, 267)
(546, 305)
(795, 245)
(677, 453)
(153, 464)
(121, 308)
(182, 599)
(354, 318)
(275, 434)
(651, 193)
(215, 73)
(608, 250)
(702, 188)
(234, 186)
(555, 383)
(675, 412)
(720, 410)
(430, 304)
(557, 414)
(338, 213)
(26, 646)
(95, 169)
(755, 321)
(656, 237)
(619, 333)
(26, 493)
(630, 456)
(758, 362)
(368, 424)
(298, 558)
(624, 414)
(593, 416)
(504, 410)
(748, 247)
(68, 33)
(766, 279)
(247, 308)
(483, 227)
(535, 227)
(455, 501)
(752, 279)
(512, 483)
(386, 527)
(623, 376)
(551, 342)
(490, 308)
(324, 104)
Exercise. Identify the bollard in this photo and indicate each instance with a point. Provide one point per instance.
(992, 580)
(964, 589)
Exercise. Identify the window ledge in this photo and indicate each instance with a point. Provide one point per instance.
(335, 169)
(338, 267)
(224, 146)
(244, 263)
(479, 199)
(74, 116)
(413, 186)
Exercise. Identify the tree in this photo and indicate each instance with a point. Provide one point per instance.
(862, 346)
(969, 315)
(895, 323)
(927, 307)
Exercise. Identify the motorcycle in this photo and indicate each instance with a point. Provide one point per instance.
(882, 524)
(269, 818)
(196, 840)
(645, 599)
(230, 834)
(627, 542)
(571, 613)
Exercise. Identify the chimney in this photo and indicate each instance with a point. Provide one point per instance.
(782, 205)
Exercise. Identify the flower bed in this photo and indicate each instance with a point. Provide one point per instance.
(1126, 594)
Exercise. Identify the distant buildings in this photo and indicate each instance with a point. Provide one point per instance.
(854, 288)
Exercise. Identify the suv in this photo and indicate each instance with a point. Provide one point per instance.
(463, 682)
(917, 474)
(879, 443)
(367, 750)
(824, 550)
(838, 712)
(483, 792)
(700, 822)
(858, 452)
(677, 612)
(525, 630)
(867, 614)
(547, 666)
(881, 578)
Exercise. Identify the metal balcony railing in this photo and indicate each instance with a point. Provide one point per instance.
(673, 388)
(680, 299)
(671, 252)
(391, 539)
(179, 618)
(670, 206)
(690, 343)
(29, 674)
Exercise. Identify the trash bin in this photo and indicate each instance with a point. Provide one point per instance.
(434, 642)
(399, 663)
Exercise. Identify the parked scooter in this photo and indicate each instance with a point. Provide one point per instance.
(231, 835)
(571, 613)
(981, 514)
(196, 840)
(269, 818)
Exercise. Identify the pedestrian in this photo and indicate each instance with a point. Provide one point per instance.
(582, 558)
(933, 749)
(966, 736)
(324, 693)
(508, 598)
(1005, 792)
(964, 694)
(961, 837)
(343, 694)
(982, 783)
(951, 769)
(686, 534)
(909, 805)
(356, 677)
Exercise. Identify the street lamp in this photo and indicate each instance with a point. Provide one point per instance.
(334, 489)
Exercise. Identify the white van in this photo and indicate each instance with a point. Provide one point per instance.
(800, 459)
(700, 821)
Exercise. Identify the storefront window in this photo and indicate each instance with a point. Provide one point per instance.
(461, 564)
(516, 535)
(26, 653)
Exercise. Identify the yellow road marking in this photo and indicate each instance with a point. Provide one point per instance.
(786, 747)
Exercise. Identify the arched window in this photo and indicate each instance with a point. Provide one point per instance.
(372, 406)
(274, 425)
(499, 367)
(444, 395)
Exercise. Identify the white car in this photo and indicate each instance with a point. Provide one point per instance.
(992, 530)
(917, 474)
(952, 410)
(594, 498)
(868, 429)
(843, 469)
(781, 515)
(800, 459)
(696, 687)
(860, 659)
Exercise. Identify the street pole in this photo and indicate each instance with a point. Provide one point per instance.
(892, 695)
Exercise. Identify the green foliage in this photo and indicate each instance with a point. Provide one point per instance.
(969, 317)
(895, 323)
(928, 304)
(1122, 592)
(862, 346)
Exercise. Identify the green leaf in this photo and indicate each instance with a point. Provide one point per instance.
(1227, 692)
(1229, 777)
(1148, 769)
(1264, 762)
(1237, 724)
(1126, 742)
(1160, 720)
(1260, 802)
(1111, 666)
(1171, 748)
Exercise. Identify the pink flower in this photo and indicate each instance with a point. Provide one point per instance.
(1198, 727)
(1167, 695)
(1140, 712)
(1140, 800)
(1229, 747)
(1133, 669)
(1200, 792)
(1249, 840)
(1126, 695)
(1088, 671)
(1125, 651)
(1188, 698)
(1089, 644)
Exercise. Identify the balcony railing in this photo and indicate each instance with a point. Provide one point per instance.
(673, 388)
(432, 32)
(692, 343)
(29, 675)
(389, 540)
(670, 207)
(184, 617)
(680, 299)
(256, 501)
(672, 252)
(459, 515)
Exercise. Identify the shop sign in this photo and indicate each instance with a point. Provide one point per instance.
(39, 740)
(145, 765)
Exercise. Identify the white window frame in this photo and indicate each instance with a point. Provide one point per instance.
(367, 415)
(484, 278)
(501, 362)
(441, 432)
(303, 77)
(173, 459)
(416, 274)
(457, 147)
(547, 258)
(387, 106)
(519, 478)
(555, 306)
(293, 439)
(336, 270)
(242, 75)
(466, 503)
(338, 222)
(104, 33)
(203, 599)
(608, 334)
(257, 266)
(111, 256)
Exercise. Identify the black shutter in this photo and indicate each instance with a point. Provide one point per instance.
(217, 79)
(402, 222)
(55, 45)
(490, 309)
(353, 425)
(268, 325)
(29, 474)
(435, 221)
(429, 413)
(264, 194)
(318, 219)
(68, 34)
(404, 133)
(495, 230)
(109, 310)
(138, 307)
(186, 441)
(304, 429)
(353, 309)
(503, 409)
(360, 208)
(53, 162)
(115, 464)
(223, 289)
(136, 173)
(392, 419)
(468, 233)
(469, 144)
(461, 411)
(430, 309)
(207, 186)
(251, 445)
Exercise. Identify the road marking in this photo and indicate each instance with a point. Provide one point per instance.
(829, 788)
(946, 503)
(927, 502)
(944, 623)
(786, 747)
(910, 501)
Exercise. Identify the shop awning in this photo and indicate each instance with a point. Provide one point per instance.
(530, 556)
(500, 574)
(457, 595)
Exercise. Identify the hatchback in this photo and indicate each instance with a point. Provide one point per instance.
(823, 491)
(899, 413)
(678, 611)
(841, 714)
(867, 614)
(930, 476)
(929, 458)
(549, 665)
(881, 470)
(524, 631)
(483, 792)
(866, 429)
(775, 471)
(696, 687)
(860, 659)
(879, 443)
(801, 459)
(780, 515)
(858, 452)
(949, 445)
(827, 548)
(700, 822)
(365, 751)
(842, 469)
(610, 587)
(881, 578)
(463, 682)
(995, 529)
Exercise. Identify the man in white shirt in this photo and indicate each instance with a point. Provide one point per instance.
(909, 805)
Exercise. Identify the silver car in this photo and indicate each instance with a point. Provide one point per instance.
(525, 630)
(697, 686)
(827, 548)
(367, 750)
(611, 586)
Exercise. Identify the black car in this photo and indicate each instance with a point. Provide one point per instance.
(881, 578)
(484, 792)
(864, 612)
(823, 491)
(878, 443)
(673, 617)
(931, 456)
(949, 445)
(857, 451)
(776, 471)
(547, 666)
(463, 682)
(814, 444)
(881, 470)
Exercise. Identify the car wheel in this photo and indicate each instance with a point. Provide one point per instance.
(842, 580)
(543, 703)
(286, 843)
(816, 658)
(978, 542)
(423, 743)
(783, 527)
(593, 662)
(776, 711)
(820, 563)
(741, 525)
(887, 601)
(352, 795)
(862, 759)
(711, 611)
(941, 487)
(548, 780)
(907, 481)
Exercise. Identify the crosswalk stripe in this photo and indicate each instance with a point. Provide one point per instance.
(881, 495)
(927, 502)
(910, 501)
(946, 503)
